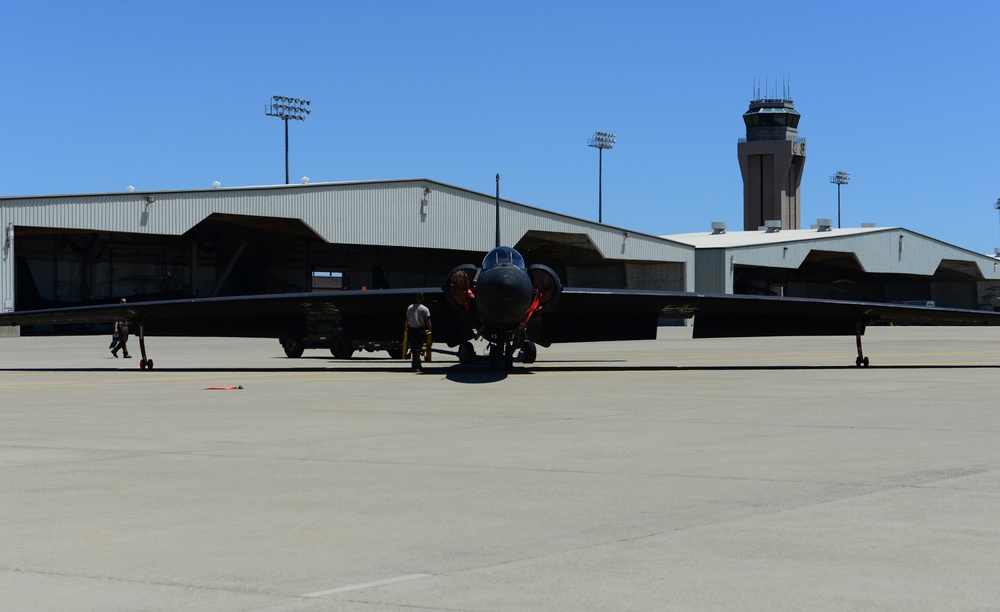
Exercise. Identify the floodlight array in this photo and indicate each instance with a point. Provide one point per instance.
(841, 178)
(602, 140)
(287, 108)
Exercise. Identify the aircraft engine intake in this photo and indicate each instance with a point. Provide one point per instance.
(458, 287)
(546, 282)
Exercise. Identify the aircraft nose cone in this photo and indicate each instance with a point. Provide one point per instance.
(503, 294)
(504, 286)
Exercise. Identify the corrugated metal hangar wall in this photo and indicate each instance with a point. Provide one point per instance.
(888, 264)
(408, 233)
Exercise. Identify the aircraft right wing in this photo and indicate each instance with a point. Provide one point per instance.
(587, 315)
(376, 314)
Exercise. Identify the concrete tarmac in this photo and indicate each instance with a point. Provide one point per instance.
(675, 474)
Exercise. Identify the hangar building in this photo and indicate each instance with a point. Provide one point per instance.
(773, 257)
(877, 264)
(76, 249)
(95, 248)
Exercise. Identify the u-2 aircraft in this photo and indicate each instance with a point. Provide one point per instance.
(510, 305)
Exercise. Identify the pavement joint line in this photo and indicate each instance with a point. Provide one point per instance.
(365, 585)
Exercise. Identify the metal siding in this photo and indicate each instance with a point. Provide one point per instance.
(876, 252)
(374, 213)
(711, 271)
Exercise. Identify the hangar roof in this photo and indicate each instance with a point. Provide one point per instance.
(877, 250)
(732, 240)
(419, 213)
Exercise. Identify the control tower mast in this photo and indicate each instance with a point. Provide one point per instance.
(772, 157)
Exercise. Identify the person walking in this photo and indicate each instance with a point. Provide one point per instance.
(121, 337)
(418, 323)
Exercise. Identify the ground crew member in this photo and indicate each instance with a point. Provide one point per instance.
(418, 322)
(121, 338)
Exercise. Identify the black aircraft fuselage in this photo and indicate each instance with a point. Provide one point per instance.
(499, 299)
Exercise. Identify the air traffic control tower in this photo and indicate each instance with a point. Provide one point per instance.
(771, 159)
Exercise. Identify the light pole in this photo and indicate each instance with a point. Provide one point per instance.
(286, 108)
(841, 178)
(601, 141)
(996, 204)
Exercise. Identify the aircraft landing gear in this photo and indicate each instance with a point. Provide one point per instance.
(861, 360)
(144, 363)
(496, 354)
(466, 353)
(529, 352)
(501, 353)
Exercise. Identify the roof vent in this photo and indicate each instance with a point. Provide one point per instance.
(824, 225)
(774, 225)
(868, 225)
(718, 227)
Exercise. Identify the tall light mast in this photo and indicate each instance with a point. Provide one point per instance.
(601, 141)
(841, 178)
(286, 108)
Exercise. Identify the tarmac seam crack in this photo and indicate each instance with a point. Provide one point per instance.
(868, 489)
(157, 583)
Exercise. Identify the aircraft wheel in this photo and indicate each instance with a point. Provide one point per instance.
(395, 353)
(293, 347)
(861, 362)
(529, 352)
(142, 364)
(508, 357)
(865, 362)
(149, 364)
(466, 353)
(496, 353)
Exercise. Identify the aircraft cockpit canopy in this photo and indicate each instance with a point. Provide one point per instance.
(503, 256)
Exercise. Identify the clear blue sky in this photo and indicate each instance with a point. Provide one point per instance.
(101, 95)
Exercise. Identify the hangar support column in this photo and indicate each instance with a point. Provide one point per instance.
(8, 272)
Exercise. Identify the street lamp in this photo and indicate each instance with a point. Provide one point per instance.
(841, 178)
(601, 141)
(286, 108)
(996, 205)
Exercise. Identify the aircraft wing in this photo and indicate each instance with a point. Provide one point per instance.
(584, 315)
(257, 316)
(580, 315)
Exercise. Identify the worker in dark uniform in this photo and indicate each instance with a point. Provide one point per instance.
(418, 323)
(121, 337)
